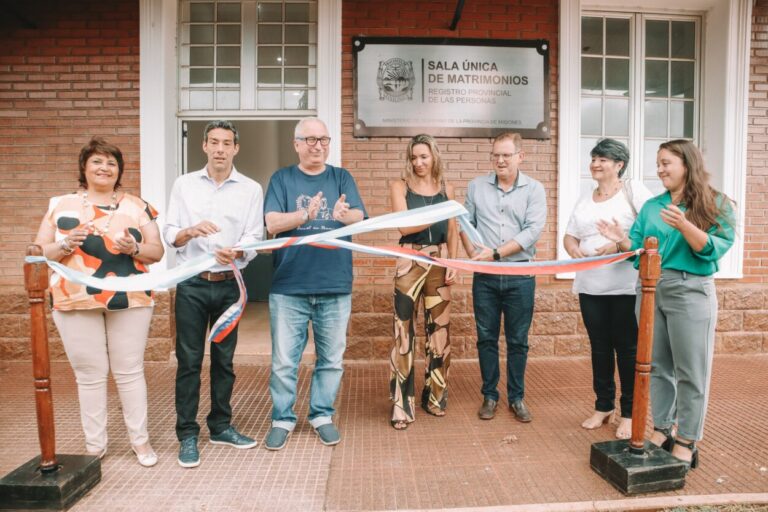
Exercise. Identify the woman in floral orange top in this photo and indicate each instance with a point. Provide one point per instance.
(102, 231)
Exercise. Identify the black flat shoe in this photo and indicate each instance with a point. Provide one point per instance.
(694, 462)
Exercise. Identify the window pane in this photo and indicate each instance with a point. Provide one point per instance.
(268, 100)
(228, 34)
(592, 36)
(269, 76)
(270, 34)
(591, 116)
(657, 39)
(297, 13)
(682, 79)
(201, 34)
(201, 56)
(201, 12)
(270, 56)
(655, 118)
(683, 39)
(296, 56)
(227, 100)
(617, 76)
(616, 117)
(201, 100)
(650, 178)
(228, 12)
(202, 76)
(228, 56)
(681, 119)
(297, 34)
(228, 76)
(656, 78)
(296, 100)
(617, 37)
(296, 76)
(270, 12)
(591, 75)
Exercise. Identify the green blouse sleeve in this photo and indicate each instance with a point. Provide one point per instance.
(720, 236)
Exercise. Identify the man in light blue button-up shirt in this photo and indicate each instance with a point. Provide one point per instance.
(508, 209)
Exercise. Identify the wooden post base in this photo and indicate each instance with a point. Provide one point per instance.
(653, 471)
(27, 487)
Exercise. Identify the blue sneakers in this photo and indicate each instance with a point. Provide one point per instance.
(277, 438)
(328, 434)
(189, 457)
(231, 437)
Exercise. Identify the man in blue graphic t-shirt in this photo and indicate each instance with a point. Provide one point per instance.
(309, 283)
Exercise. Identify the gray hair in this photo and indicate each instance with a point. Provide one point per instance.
(302, 122)
(613, 149)
(226, 125)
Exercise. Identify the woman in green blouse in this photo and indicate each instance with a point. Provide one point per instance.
(694, 224)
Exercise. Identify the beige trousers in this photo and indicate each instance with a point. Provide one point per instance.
(96, 341)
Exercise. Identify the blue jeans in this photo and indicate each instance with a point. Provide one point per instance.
(289, 317)
(511, 296)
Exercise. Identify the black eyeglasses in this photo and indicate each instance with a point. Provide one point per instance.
(311, 141)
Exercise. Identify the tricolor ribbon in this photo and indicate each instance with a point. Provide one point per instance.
(331, 240)
(231, 317)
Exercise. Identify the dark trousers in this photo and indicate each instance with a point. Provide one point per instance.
(612, 329)
(199, 304)
(511, 296)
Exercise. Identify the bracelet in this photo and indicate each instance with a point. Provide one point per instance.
(65, 247)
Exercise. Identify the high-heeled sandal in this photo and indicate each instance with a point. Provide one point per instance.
(694, 462)
(433, 409)
(669, 439)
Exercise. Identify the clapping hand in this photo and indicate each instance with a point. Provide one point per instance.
(611, 230)
(674, 216)
(341, 208)
(314, 205)
(125, 243)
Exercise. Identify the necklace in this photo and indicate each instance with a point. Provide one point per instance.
(610, 193)
(90, 224)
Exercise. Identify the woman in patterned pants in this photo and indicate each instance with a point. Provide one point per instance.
(422, 185)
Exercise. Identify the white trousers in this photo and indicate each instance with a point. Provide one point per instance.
(96, 340)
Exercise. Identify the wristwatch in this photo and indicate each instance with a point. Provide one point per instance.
(496, 255)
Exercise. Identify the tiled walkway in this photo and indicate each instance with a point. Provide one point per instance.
(453, 462)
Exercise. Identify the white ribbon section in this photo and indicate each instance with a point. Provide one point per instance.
(171, 277)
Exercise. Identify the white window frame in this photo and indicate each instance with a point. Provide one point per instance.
(723, 116)
(159, 125)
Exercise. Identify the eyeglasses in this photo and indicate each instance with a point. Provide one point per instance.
(311, 141)
(504, 156)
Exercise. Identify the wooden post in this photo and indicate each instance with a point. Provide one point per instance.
(650, 271)
(36, 282)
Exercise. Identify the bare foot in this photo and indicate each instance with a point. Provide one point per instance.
(624, 430)
(597, 420)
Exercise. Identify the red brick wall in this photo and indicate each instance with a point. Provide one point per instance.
(74, 75)
(377, 160)
(756, 216)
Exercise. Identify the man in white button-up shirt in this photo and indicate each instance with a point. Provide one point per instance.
(211, 211)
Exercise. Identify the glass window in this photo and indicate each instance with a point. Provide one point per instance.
(639, 84)
(266, 48)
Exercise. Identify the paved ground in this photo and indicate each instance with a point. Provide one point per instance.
(453, 462)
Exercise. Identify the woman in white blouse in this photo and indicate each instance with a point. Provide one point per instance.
(607, 294)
